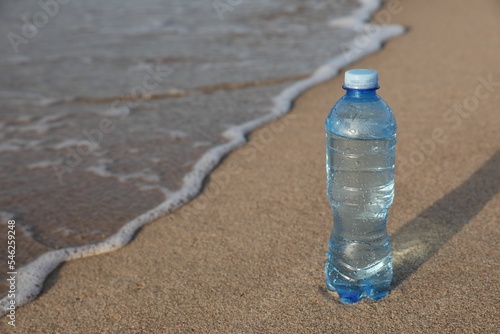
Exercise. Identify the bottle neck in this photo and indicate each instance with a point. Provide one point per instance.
(361, 93)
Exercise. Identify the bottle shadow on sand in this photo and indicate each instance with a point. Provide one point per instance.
(422, 237)
(418, 240)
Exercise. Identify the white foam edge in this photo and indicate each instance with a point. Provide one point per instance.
(358, 16)
(30, 278)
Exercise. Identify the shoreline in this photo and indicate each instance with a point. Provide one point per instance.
(250, 259)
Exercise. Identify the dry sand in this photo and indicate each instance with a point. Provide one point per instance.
(250, 259)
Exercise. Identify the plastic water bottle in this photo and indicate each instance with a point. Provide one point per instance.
(360, 148)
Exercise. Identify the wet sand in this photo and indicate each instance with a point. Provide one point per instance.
(248, 254)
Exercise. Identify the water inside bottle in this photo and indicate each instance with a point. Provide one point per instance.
(361, 190)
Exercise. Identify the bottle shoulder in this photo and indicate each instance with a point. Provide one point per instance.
(361, 118)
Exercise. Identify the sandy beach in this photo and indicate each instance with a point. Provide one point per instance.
(247, 255)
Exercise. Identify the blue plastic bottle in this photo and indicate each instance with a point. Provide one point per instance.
(360, 148)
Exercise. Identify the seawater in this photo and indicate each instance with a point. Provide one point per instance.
(113, 112)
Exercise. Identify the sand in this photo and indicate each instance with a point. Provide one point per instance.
(248, 255)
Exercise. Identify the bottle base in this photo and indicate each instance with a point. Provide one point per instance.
(353, 292)
(349, 294)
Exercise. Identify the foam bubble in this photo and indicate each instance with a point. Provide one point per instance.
(100, 169)
(42, 164)
(121, 111)
(203, 143)
(43, 125)
(72, 143)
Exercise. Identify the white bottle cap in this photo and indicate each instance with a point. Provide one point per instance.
(361, 79)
